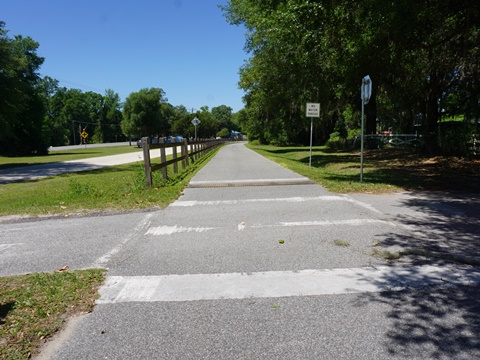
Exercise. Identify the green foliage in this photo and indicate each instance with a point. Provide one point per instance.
(21, 106)
(456, 138)
(422, 57)
(223, 115)
(336, 142)
(223, 133)
(146, 113)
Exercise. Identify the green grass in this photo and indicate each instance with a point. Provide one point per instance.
(337, 171)
(33, 307)
(115, 188)
(384, 170)
(66, 155)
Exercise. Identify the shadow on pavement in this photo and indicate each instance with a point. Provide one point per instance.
(445, 228)
(435, 323)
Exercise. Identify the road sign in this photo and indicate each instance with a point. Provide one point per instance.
(84, 134)
(195, 122)
(313, 110)
(366, 89)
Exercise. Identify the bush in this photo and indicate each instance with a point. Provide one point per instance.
(336, 143)
(455, 138)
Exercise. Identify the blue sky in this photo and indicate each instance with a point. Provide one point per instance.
(185, 47)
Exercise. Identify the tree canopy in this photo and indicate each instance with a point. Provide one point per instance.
(21, 105)
(421, 55)
(146, 113)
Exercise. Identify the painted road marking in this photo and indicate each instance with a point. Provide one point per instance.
(175, 229)
(351, 222)
(250, 201)
(4, 247)
(362, 204)
(346, 198)
(274, 284)
(103, 260)
(169, 230)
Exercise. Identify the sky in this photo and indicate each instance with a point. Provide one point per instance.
(185, 47)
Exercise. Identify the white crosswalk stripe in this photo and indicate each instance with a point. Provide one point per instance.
(194, 287)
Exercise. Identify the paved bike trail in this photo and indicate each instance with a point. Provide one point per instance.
(255, 261)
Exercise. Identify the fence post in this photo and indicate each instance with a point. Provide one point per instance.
(163, 159)
(174, 155)
(184, 153)
(146, 162)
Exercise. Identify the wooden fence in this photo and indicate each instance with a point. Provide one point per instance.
(184, 152)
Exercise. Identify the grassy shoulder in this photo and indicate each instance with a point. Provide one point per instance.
(33, 307)
(66, 155)
(115, 188)
(385, 170)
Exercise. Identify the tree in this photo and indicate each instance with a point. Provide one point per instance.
(208, 125)
(223, 133)
(144, 115)
(21, 105)
(111, 117)
(422, 57)
(223, 115)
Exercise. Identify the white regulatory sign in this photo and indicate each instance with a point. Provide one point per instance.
(313, 110)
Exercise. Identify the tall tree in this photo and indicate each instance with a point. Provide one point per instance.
(21, 106)
(223, 115)
(111, 117)
(145, 113)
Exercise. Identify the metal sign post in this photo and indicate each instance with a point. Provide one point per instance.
(313, 110)
(366, 92)
(84, 135)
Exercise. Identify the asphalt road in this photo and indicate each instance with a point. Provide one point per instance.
(209, 277)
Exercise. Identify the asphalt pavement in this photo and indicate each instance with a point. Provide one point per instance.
(254, 261)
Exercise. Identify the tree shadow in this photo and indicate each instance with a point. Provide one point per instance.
(437, 319)
(4, 310)
(439, 322)
(444, 227)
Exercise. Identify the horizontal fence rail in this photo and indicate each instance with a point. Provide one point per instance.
(183, 151)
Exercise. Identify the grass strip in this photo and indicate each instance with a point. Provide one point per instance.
(385, 170)
(33, 307)
(116, 188)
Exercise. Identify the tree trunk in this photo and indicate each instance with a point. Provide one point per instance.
(430, 130)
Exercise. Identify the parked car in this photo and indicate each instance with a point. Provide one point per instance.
(178, 138)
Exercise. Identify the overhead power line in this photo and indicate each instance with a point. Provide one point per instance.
(79, 86)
